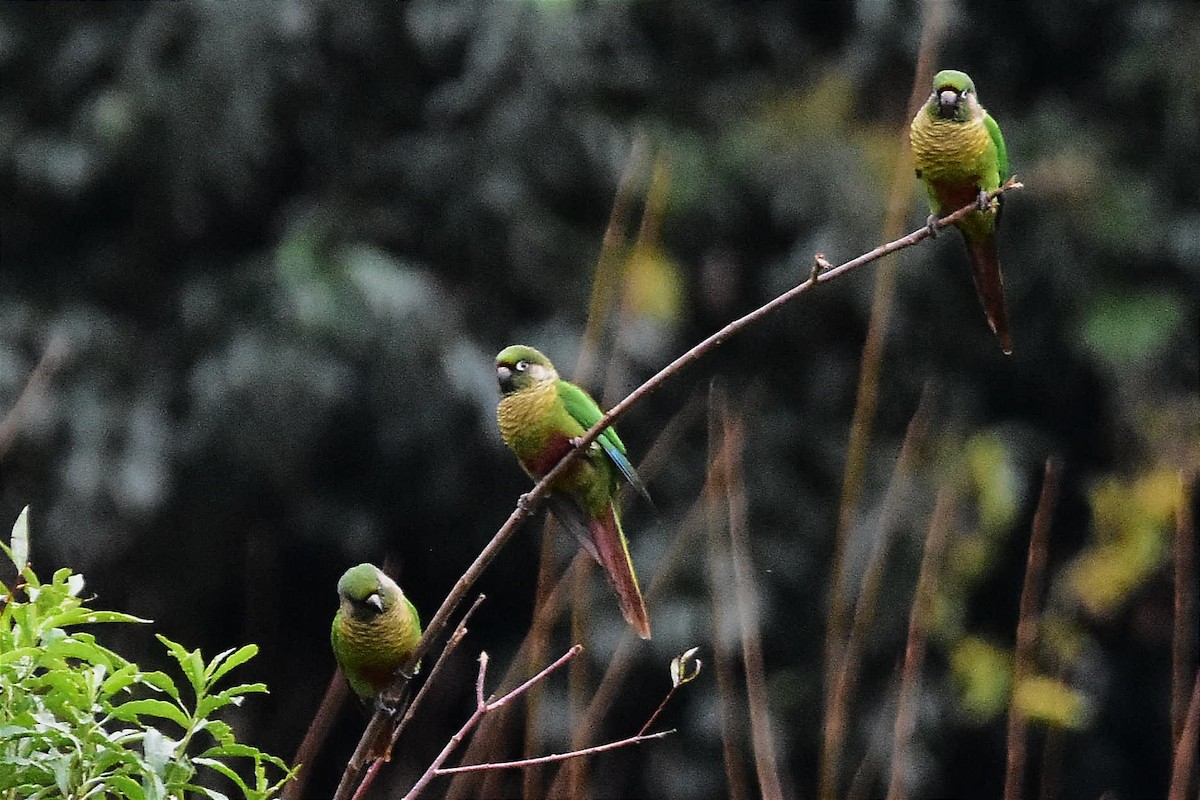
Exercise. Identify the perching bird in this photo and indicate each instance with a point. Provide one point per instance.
(375, 629)
(540, 417)
(960, 156)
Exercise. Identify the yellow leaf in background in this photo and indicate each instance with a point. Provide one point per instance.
(1158, 494)
(653, 284)
(983, 674)
(995, 482)
(1051, 701)
(1132, 521)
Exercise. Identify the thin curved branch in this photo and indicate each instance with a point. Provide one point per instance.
(528, 502)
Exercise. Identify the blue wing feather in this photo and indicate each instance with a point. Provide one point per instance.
(584, 410)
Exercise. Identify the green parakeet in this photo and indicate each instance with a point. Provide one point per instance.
(959, 155)
(375, 629)
(540, 418)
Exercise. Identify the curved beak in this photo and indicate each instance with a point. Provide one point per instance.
(375, 602)
(947, 103)
(504, 375)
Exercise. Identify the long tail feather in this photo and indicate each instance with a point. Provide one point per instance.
(989, 285)
(612, 550)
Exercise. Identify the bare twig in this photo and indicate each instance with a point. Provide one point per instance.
(1027, 623)
(530, 500)
(1052, 763)
(460, 633)
(615, 673)
(495, 725)
(1183, 645)
(918, 629)
(529, 762)
(1185, 751)
(933, 15)
(482, 707)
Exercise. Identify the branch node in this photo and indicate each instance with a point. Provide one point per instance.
(820, 263)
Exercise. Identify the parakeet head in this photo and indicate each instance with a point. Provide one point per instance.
(519, 367)
(953, 96)
(366, 592)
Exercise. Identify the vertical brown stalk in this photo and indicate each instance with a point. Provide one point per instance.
(899, 197)
(1052, 763)
(845, 680)
(1185, 751)
(746, 593)
(918, 630)
(1183, 644)
(723, 659)
(609, 263)
(1035, 567)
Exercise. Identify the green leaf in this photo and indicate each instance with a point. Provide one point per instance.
(226, 661)
(127, 786)
(159, 749)
(120, 680)
(224, 769)
(189, 661)
(162, 709)
(20, 539)
(161, 681)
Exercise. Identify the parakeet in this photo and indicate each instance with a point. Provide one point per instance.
(375, 629)
(960, 155)
(540, 417)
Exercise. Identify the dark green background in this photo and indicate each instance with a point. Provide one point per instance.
(282, 241)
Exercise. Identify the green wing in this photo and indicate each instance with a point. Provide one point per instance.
(997, 139)
(583, 409)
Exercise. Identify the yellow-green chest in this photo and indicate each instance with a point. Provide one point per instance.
(533, 421)
(537, 427)
(945, 151)
(371, 650)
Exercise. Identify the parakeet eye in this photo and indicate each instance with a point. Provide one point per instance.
(522, 365)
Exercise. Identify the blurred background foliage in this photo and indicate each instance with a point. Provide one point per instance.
(274, 247)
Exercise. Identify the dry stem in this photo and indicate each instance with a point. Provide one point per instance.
(1027, 622)
(918, 629)
(1183, 645)
(528, 502)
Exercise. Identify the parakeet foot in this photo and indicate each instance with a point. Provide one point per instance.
(383, 705)
(931, 224)
(984, 201)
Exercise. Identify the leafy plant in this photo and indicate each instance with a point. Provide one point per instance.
(77, 720)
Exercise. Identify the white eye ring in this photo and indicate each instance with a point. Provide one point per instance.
(522, 365)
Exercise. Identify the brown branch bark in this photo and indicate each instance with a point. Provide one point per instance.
(1027, 623)
(1185, 751)
(527, 503)
(1183, 642)
(918, 630)
(482, 707)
